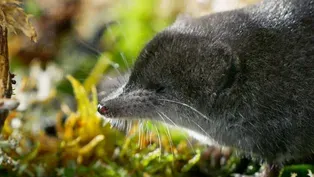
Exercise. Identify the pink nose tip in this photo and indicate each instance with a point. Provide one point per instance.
(102, 109)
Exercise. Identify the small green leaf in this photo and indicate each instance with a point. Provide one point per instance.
(192, 162)
(301, 170)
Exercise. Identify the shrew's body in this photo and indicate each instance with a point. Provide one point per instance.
(244, 78)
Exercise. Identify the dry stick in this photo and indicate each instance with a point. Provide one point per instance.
(5, 77)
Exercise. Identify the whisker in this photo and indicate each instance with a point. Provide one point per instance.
(125, 61)
(189, 142)
(129, 126)
(200, 128)
(122, 125)
(159, 139)
(121, 53)
(140, 134)
(149, 133)
(150, 137)
(146, 131)
(113, 64)
(168, 135)
(88, 46)
(188, 106)
(116, 68)
(125, 38)
(187, 138)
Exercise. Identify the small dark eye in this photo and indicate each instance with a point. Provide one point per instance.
(160, 89)
(155, 87)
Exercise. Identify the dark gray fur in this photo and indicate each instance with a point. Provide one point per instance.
(247, 73)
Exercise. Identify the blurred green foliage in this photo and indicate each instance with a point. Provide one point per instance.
(138, 21)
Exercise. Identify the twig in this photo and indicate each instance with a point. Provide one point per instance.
(5, 76)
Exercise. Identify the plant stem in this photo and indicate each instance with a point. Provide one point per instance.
(5, 77)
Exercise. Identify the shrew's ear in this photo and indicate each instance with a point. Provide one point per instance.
(228, 62)
(226, 54)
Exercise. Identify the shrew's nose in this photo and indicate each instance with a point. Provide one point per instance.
(103, 109)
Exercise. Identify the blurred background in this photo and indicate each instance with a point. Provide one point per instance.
(56, 131)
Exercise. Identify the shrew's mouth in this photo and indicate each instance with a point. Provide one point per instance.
(103, 110)
(106, 113)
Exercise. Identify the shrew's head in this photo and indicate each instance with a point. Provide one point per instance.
(176, 76)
